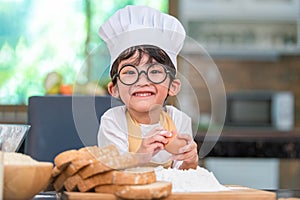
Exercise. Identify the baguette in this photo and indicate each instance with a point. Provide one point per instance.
(156, 190)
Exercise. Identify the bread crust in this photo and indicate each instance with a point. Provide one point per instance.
(108, 189)
(63, 159)
(55, 172)
(58, 183)
(89, 184)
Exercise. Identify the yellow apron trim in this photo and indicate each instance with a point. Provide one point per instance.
(135, 135)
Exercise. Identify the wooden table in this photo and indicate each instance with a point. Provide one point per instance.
(236, 192)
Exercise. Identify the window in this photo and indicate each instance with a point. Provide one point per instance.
(38, 38)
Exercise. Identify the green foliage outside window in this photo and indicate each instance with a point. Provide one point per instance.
(40, 37)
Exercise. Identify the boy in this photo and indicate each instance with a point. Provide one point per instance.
(144, 44)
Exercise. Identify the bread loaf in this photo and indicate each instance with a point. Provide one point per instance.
(71, 161)
(105, 170)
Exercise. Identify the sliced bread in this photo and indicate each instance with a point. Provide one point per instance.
(72, 161)
(108, 162)
(63, 159)
(108, 189)
(154, 190)
(132, 176)
(55, 172)
(89, 156)
(71, 182)
(89, 184)
(58, 182)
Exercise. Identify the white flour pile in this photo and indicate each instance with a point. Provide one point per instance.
(13, 158)
(198, 180)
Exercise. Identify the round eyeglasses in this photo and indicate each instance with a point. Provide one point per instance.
(129, 74)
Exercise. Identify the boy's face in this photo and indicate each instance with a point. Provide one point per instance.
(143, 96)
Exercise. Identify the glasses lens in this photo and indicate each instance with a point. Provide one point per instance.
(128, 74)
(156, 73)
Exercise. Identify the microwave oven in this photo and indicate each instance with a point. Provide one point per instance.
(264, 109)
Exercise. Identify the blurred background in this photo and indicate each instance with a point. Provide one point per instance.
(52, 47)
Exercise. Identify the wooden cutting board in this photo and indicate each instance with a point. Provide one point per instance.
(235, 193)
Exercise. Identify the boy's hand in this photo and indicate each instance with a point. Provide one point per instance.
(188, 154)
(154, 142)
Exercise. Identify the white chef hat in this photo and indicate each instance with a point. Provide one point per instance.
(142, 25)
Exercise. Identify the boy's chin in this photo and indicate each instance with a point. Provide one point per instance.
(146, 107)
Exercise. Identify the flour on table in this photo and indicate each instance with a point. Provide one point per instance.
(192, 180)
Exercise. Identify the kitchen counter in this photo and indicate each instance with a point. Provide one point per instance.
(255, 143)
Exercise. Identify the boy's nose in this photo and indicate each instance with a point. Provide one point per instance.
(143, 79)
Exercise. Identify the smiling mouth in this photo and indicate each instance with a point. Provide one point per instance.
(143, 94)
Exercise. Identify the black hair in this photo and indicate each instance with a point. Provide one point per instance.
(155, 53)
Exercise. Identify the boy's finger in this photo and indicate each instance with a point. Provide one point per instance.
(165, 133)
(185, 137)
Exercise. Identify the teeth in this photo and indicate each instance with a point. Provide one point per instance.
(143, 94)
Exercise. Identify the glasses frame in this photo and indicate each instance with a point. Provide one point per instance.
(143, 71)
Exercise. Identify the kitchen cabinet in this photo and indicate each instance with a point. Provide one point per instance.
(259, 29)
(256, 158)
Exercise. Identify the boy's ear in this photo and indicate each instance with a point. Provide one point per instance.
(113, 90)
(174, 87)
